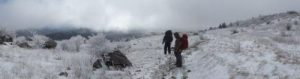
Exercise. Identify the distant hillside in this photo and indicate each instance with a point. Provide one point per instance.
(57, 33)
(121, 36)
(266, 19)
(68, 32)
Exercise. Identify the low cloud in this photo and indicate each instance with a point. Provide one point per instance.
(135, 14)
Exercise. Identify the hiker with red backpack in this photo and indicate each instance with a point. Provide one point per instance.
(181, 44)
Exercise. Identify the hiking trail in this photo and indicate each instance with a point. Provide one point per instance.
(182, 73)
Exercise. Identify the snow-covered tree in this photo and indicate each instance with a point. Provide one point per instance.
(38, 41)
(73, 44)
(223, 25)
(99, 45)
(20, 39)
(9, 32)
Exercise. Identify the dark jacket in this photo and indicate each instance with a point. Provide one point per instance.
(168, 38)
(178, 42)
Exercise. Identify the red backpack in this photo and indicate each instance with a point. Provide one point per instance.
(184, 41)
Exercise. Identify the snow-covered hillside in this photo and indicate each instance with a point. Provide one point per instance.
(146, 54)
(259, 49)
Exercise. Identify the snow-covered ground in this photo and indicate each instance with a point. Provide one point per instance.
(148, 58)
(260, 50)
(19, 63)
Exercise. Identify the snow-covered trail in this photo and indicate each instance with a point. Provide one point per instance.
(149, 61)
(182, 73)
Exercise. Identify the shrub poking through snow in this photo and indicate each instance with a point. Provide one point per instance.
(63, 74)
(5, 38)
(292, 12)
(269, 22)
(24, 45)
(1, 41)
(234, 31)
(50, 44)
(288, 27)
(195, 33)
(296, 22)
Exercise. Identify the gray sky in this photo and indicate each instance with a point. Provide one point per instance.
(154, 15)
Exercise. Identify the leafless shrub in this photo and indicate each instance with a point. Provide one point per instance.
(195, 33)
(288, 27)
(286, 40)
(234, 31)
(201, 37)
(81, 67)
(286, 58)
(292, 12)
(284, 34)
(296, 22)
(237, 48)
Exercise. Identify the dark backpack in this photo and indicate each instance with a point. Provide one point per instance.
(184, 41)
(168, 36)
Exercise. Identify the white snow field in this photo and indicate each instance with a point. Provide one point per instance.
(259, 51)
(262, 48)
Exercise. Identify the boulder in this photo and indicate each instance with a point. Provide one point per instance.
(50, 44)
(114, 59)
(293, 12)
(1, 41)
(63, 74)
(117, 59)
(97, 64)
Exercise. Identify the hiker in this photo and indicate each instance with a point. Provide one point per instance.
(168, 38)
(181, 44)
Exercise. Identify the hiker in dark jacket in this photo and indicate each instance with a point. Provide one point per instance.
(168, 38)
(178, 50)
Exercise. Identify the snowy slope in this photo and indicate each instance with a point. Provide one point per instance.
(266, 19)
(259, 51)
(19, 63)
